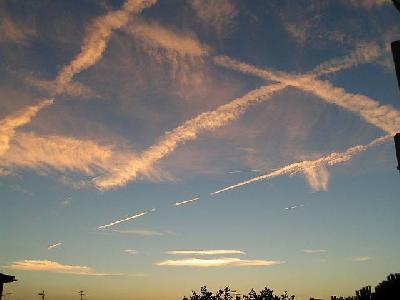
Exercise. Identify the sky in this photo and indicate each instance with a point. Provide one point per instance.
(148, 148)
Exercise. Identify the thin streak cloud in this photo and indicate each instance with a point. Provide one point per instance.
(314, 251)
(53, 266)
(54, 246)
(142, 232)
(218, 262)
(130, 252)
(303, 166)
(141, 214)
(361, 258)
(205, 252)
(186, 201)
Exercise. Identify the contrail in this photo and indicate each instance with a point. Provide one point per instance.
(53, 246)
(189, 130)
(232, 110)
(94, 45)
(141, 214)
(186, 201)
(364, 53)
(384, 117)
(9, 124)
(331, 159)
(95, 42)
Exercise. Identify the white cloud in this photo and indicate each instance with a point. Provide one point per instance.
(205, 252)
(130, 251)
(218, 262)
(52, 266)
(361, 258)
(303, 166)
(314, 251)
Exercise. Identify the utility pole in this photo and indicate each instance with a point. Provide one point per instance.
(396, 57)
(42, 294)
(81, 293)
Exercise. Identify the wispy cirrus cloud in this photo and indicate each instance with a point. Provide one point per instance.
(130, 251)
(155, 36)
(138, 215)
(303, 166)
(11, 123)
(205, 252)
(314, 251)
(317, 178)
(367, 4)
(10, 31)
(142, 232)
(218, 262)
(361, 258)
(218, 16)
(55, 267)
(54, 246)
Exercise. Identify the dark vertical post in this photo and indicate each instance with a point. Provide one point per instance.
(397, 144)
(396, 58)
(1, 290)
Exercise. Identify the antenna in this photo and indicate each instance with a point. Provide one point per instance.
(42, 294)
(81, 293)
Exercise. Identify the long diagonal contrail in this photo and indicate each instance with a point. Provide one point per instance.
(303, 166)
(138, 215)
(384, 117)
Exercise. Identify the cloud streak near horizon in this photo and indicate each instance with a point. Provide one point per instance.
(218, 262)
(55, 267)
(205, 252)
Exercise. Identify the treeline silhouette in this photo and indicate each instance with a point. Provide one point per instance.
(227, 294)
(388, 289)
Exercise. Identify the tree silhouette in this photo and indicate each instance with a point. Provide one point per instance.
(225, 294)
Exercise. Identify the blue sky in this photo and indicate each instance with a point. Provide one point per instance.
(113, 111)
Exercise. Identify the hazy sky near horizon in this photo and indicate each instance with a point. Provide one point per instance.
(148, 148)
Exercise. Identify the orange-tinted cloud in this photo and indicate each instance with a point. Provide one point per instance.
(218, 262)
(53, 266)
(9, 124)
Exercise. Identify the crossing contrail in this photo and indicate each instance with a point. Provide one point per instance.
(189, 130)
(384, 117)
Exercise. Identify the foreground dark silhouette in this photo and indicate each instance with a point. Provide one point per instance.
(388, 289)
(227, 294)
